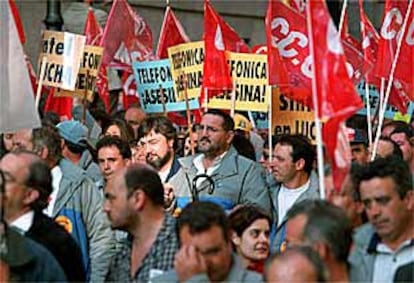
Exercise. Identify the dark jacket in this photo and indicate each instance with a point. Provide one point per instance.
(61, 245)
(30, 261)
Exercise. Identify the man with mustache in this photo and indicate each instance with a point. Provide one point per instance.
(158, 137)
(385, 187)
(218, 173)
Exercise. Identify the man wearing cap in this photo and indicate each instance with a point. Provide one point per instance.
(74, 148)
(243, 125)
(359, 147)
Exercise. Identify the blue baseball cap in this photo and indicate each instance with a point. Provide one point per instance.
(74, 132)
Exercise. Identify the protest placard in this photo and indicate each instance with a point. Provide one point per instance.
(249, 74)
(63, 52)
(155, 86)
(187, 68)
(391, 112)
(291, 117)
(88, 73)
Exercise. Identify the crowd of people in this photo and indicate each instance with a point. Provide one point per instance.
(142, 200)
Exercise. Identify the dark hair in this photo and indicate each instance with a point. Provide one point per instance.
(301, 148)
(390, 166)
(160, 124)
(242, 217)
(244, 147)
(394, 124)
(48, 137)
(307, 252)
(396, 150)
(228, 122)
(404, 129)
(325, 223)
(127, 133)
(200, 216)
(142, 177)
(122, 145)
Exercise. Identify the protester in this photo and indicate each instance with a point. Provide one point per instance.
(134, 202)
(28, 187)
(296, 264)
(158, 137)
(219, 173)
(75, 148)
(76, 203)
(325, 228)
(243, 146)
(134, 115)
(291, 167)
(389, 127)
(385, 187)
(114, 153)
(205, 253)
(187, 142)
(359, 147)
(250, 228)
(244, 127)
(387, 147)
(403, 136)
(118, 127)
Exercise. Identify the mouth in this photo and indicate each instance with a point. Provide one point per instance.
(262, 249)
(380, 223)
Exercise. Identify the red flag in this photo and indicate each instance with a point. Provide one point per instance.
(404, 71)
(18, 21)
(278, 74)
(93, 30)
(336, 94)
(172, 33)
(126, 36)
(60, 105)
(393, 18)
(219, 37)
(298, 5)
(129, 93)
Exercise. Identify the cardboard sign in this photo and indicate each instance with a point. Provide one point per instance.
(391, 112)
(249, 74)
(187, 68)
(91, 61)
(63, 52)
(155, 84)
(290, 117)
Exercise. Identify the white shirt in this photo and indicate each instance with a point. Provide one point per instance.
(287, 197)
(163, 175)
(198, 163)
(388, 261)
(24, 222)
(56, 178)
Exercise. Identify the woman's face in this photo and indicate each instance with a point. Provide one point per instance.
(113, 130)
(253, 244)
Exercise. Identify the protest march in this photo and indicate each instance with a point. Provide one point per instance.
(208, 159)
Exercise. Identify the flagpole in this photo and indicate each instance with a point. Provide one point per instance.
(368, 112)
(233, 99)
(85, 96)
(205, 100)
(343, 12)
(390, 80)
(40, 84)
(164, 107)
(187, 108)
(319, 149)
(270, 126)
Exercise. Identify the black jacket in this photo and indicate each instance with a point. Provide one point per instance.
(60, 244)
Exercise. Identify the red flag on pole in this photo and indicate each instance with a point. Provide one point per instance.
(172, 33)
(61, 105)
(336, 94)
(404, 72)
(93, 30)
(126, 36)
(278, 74)
(219, 37)
(18, 21)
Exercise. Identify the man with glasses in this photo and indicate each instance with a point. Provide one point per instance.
(218, 173)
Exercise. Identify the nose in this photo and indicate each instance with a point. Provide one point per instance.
(105, 206)
(263, 238)
(374, 210)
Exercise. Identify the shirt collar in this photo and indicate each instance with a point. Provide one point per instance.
(24, 222)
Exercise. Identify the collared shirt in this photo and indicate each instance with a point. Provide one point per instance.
(198, 163)
(56, 178)
(159, 259)
(24, 222)
(387, 261)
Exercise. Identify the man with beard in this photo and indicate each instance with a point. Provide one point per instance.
(219, 174)
(158, 137)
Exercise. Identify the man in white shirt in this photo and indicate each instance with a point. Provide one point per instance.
(291, 167)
